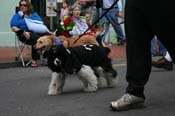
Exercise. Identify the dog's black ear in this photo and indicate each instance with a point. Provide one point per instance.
(60, 52)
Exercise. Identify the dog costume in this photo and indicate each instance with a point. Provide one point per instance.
(80, 60)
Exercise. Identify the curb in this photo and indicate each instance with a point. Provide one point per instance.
(11, 64)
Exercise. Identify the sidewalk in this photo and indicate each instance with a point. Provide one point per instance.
(9, 54)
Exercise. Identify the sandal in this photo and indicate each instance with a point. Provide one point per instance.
(34, 64)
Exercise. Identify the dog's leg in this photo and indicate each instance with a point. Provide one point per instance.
(56, 84)
(53, 84)
(111, 78)
(85, 84)
(89, 79)
(61, 81)
(101, 77)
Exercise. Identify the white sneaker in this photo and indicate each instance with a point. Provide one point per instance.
(126, 102)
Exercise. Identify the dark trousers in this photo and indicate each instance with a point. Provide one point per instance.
(143, 20)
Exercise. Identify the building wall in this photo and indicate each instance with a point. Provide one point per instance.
(7, 9)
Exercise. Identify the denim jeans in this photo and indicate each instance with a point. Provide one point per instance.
(161, 51)
(111, 17)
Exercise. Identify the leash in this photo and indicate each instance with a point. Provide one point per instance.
(96, 21)
(92, 32)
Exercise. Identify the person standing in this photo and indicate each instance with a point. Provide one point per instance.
(64, 10)
(89, 6)
(143, 20)
(112, 18)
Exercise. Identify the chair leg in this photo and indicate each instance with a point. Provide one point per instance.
(20, 54)
(28, 63)
(20, 46)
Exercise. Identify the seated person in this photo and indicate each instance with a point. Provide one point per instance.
(76, 25)
(18, 25)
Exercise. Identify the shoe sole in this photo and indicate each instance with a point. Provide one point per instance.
(164, 67)
(132, 106)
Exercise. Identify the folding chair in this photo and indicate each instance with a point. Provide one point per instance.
(20, 50)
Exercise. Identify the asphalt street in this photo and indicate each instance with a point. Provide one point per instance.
(23, 92)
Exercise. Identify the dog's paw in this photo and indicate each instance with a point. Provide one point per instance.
(54, 92)
(101, 82)
(111, 82)
(90, 89)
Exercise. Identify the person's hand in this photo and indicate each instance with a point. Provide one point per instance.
(120, 14)
(27, 35)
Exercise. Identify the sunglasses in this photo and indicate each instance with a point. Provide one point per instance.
(23, 5)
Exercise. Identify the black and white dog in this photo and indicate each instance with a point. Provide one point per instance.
(83, 60)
